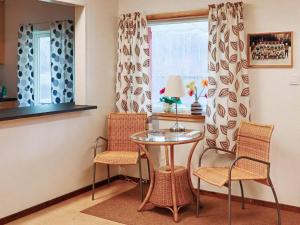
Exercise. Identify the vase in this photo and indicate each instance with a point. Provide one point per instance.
(167, 107)
(196, 108)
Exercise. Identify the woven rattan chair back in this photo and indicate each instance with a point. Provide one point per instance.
(254, 141)
(121, 126)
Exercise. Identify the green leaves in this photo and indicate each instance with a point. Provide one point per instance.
(170, 100)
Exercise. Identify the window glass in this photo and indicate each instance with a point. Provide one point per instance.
(42, 67)
(179, 48)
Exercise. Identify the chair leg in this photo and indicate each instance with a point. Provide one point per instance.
(242, 194)
(276, 201)
(108, 174)
(94, 180)
(141, 177)
(148, 167)
(229, 202)
(198, 197)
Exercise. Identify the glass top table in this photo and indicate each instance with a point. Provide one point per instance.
(166, 137)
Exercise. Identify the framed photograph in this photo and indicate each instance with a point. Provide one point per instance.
(270, 50)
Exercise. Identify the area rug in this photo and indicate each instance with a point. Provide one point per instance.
(123, 209)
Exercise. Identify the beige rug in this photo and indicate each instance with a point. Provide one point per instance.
(123, 209)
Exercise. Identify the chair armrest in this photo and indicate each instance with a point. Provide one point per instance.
(98, 139)
(248, 158)
(212, 148)
(101, 138)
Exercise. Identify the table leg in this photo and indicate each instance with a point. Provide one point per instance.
(151, 178)
(167, 155)
(175, 209)
(189, 168)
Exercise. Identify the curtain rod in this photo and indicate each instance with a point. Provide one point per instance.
(178, 15)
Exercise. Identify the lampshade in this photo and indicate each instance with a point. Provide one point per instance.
(174, 87)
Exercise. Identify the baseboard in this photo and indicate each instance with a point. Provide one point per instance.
(237, 198)
(54, 201)
(65, 197)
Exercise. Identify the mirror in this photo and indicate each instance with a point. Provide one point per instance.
(36, 53)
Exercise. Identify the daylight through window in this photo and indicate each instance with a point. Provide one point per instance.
(42, 67)
(178, 48)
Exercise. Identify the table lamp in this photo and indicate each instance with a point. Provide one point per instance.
(175, 89)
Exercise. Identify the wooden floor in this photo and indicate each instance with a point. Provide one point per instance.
(68, 212)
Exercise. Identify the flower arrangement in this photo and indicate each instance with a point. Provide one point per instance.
(193, 90)
(168, 100)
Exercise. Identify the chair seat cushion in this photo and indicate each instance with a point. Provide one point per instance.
(219, 175)
(117, 157)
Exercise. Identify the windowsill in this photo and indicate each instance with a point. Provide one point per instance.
(181, 117)
(41, 110)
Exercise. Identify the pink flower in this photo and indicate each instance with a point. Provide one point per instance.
(191, 92)
(162, 91)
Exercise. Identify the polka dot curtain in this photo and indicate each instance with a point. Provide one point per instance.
(62, 61)
(228, 88)
(133, 90)
(25, 66)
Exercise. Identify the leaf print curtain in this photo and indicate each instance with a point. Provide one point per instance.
(62, 61)
(133, 91)
(228, 89)
(25, 66)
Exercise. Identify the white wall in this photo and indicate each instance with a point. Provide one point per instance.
(21, 12)
(46, 157)
(273, 100)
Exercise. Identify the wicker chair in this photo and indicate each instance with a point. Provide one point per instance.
(251, 163)
(120, 149)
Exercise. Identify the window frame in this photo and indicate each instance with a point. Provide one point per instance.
(37, 35)
(173, 20)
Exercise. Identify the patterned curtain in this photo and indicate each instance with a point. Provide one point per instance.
(25, 66)
(62, 61)
(133, 90)
(228, 89)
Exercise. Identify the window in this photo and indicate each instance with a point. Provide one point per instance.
(42, 67)
(179, 48)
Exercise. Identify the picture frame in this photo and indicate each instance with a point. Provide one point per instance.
(270, 50)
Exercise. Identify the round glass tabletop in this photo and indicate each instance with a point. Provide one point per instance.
(166, 137)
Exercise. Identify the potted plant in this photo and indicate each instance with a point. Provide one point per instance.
(168, 101)
(196, 108)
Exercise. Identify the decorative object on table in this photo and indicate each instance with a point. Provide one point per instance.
(196, 108)
(168, 108)
(268, 50)
(175, 89)
(168, 102)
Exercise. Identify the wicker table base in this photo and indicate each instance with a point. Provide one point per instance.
(162, 190)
